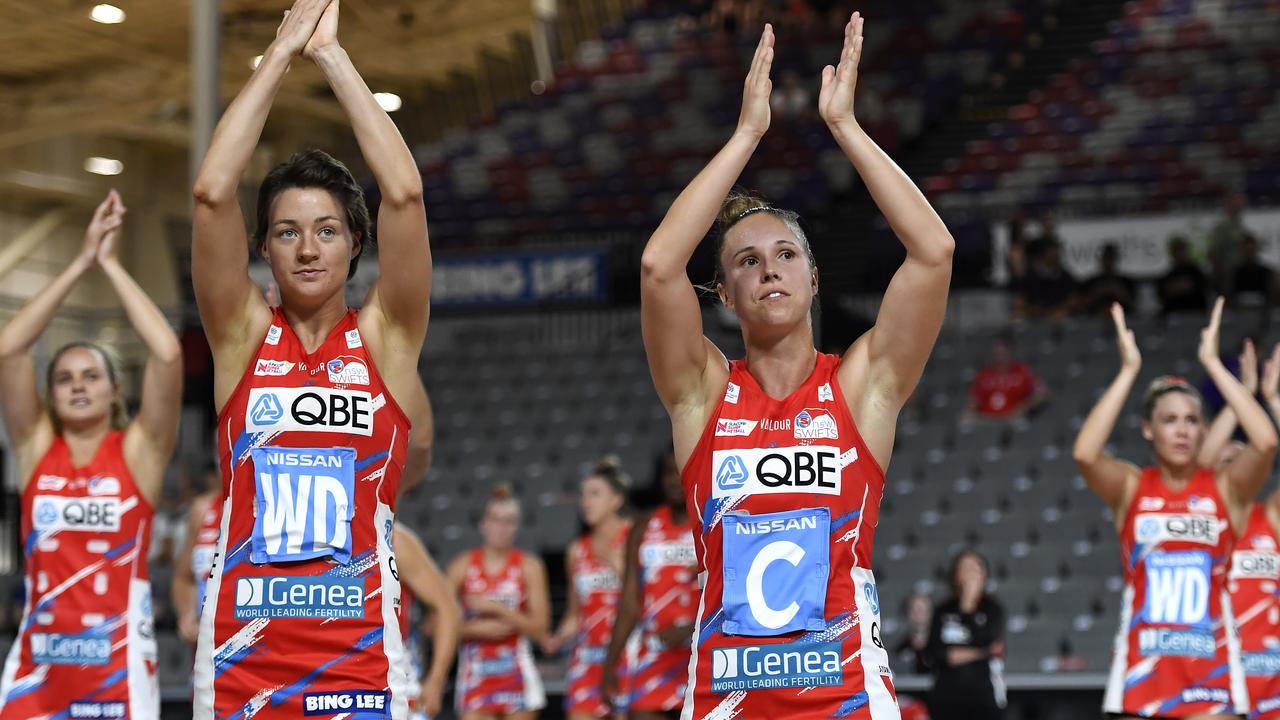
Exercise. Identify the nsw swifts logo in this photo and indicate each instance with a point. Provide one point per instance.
(815, 424)
(347, 370)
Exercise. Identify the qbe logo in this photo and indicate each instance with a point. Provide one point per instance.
(361, 703)
(87, 648)
(322, 596)
(1155, 528)
(802, 469)
(84, 514)
(793, 549)
(309, 409)
(305, 498)
(96, 709)
(789, 665)
(1255, 565)
(1178, 588)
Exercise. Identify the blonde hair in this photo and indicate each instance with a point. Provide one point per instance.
(740, 204)
(1164, 385)
(119, 413)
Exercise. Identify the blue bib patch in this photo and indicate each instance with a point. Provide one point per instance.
(775, 571)
(1178, 587)
(304, 501)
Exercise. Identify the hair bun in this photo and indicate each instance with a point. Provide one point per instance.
(738, 204)
(501, 491)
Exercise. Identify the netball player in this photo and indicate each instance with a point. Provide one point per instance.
(300, 616)
(89, 477)
(421, 579)
(659, 594)
(505, 605)
(1177, 654)
(782, 452)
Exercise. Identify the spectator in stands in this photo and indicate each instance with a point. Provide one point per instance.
(1048, 228)
(791, 100)
(966, 646)
(1047, 291)
(1252, 283)
(1184, 286)
(1108, 286)
(1017, 257)
(911, 652)
(1226, 242)
(1004, 389)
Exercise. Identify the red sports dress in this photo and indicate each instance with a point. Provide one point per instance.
(658, 676)
(1254, 583)
(301, 618)
(413, 651)
(1176, 653)
(203, 550)
(497, 676)
(787, 496)
(86, 646)
(598, 587)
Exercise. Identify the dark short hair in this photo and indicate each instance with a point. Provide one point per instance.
(316, 169)
(955, 567)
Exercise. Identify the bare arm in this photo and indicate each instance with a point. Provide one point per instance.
(232, 310)
(421, 437)
(182, 590)
(1224, 425)
(404, 258)
(568, 626)
(629, 605)
(420, 574)
(1249, 471)
(915, 302)
(1109, 478)
(684, 364)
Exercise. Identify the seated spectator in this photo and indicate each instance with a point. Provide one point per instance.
(1048, 291)
(1184, 287)
(1004, 388)
(1252, 283)
(1108, 286)
(910, 654)
(790, 100)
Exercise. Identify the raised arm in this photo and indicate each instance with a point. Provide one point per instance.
(1109, 478)
(629, 608)
(915, 302)
(152, 435)
(232, 310)
(182, 590)
(419, 573)
(28, 425)
(1224, 425)
(1248, 472)
(684, 364)
(404, 257)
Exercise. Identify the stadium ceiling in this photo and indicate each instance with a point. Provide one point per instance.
(62, 73)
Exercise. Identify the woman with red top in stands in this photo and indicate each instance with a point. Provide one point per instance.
(660, 595)
(505, 605)
(88, 477)
(1254, 580)
(782, 452)
(301, 612)
(593, 565)
(1177, 654)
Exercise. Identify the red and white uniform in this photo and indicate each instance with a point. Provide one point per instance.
(598, 587)
(87, 646)
(657, 676)
(1176, 653)
(203, 550)
(497, 676)
(787, 497)
(413, 653)
(1254, 583)
(301, 617)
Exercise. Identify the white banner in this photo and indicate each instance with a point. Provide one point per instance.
(1142, 239)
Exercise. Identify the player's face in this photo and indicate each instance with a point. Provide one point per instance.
(309, 245)
(499, 525)
(1175, 429)
(970, 572)
(767, 278)
(598, 500)
(82, 392)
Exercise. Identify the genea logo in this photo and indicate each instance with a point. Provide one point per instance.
(789, 665)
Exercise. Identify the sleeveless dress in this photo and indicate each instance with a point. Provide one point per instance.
(301, 611)
(1176, 651)
(1254, 583)
(658, 676)
(86, 646)
(203, 550)
(598, 588)
(497, 676)
(786, 497)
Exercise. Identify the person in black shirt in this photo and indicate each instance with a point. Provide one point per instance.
(1108, 286)
(1183, 288)
(1252, 282)
(911, 652)
(1047, 291)
(966, 646)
